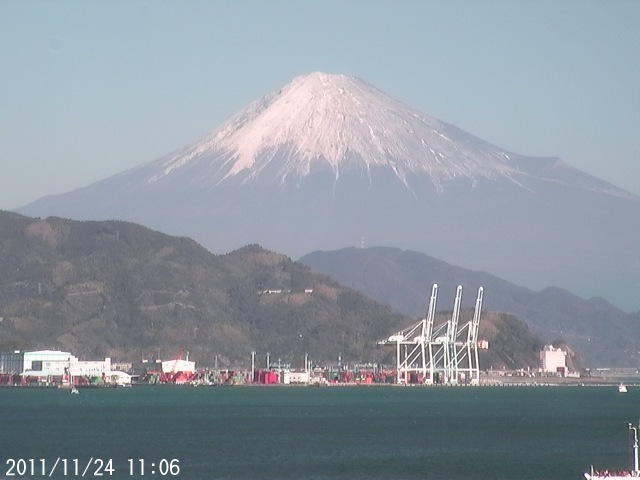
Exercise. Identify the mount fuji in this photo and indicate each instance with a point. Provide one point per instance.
(330, 161)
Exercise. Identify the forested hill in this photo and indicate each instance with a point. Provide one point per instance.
(121, 290)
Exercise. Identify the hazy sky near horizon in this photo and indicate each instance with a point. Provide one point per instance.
(89, 89)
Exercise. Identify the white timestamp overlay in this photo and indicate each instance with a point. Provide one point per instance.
(92, 467)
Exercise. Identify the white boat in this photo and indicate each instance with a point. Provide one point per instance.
(622, 388)
(74, 391)
(615, 474)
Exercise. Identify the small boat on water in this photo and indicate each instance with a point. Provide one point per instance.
(74, 391)
(613, 474)
(622, 388)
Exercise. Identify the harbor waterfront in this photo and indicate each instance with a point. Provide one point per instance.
(274, 432)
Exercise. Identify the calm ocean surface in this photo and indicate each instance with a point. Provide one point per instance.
(318, 433)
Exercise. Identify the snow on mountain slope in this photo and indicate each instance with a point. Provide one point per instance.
(337, 120)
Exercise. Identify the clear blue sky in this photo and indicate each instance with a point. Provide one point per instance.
(89, 89)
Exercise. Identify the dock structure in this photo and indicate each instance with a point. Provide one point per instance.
(446, 354)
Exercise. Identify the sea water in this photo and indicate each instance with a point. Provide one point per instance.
(318, 433)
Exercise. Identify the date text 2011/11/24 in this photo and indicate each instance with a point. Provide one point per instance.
(94, 467)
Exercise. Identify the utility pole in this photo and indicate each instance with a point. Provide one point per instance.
(253, 366)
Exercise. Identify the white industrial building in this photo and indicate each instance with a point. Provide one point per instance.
(47, 363)
(55, 365)
(294, 377)
(178, 365)
(553, 360)
(91, 368)
(121, 379)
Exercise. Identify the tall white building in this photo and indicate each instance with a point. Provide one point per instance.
(553, 360)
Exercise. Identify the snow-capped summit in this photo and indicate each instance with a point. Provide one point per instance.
(336, 121)
(329, 160)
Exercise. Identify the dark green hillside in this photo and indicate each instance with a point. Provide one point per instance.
(512, 345)
(117, 289)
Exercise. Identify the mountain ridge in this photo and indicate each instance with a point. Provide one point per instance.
(338, 121)
(603, 334)
(534, 221)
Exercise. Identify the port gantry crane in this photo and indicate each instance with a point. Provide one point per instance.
(414, 351)
(444, 354)
(467, 355)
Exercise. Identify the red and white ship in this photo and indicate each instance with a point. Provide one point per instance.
(620, 474)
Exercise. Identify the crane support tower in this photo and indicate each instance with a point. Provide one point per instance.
(447, 353)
